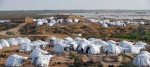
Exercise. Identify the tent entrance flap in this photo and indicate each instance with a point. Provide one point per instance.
(35, 60)
(87, 49)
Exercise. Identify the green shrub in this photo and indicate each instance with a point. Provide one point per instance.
(133, 35)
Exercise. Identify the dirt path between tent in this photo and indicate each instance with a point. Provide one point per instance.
(14, 30)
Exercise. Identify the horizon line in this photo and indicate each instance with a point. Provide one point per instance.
(76, 9)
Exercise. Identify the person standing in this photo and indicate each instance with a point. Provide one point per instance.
(106, 52)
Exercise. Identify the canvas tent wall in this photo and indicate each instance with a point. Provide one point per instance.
(37, 52)
(91, 49)
(141, 44)
(12, 41)
(58, 41)
(27, 40)
(81, 46)
(39, 43)
(111, 42)
(4, 43)
(76, 20)
(51, 40)
(58, 48)
(73, 45)
(41, 61)
(69, 20)
(20, 40)
(113, 49)
(68, 38)
(15, 60)
(25, 47)
(101, 44)
(134, 50)
(125, 44)
(142, 59)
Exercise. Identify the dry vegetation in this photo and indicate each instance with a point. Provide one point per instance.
(88, 30)
(7, 26)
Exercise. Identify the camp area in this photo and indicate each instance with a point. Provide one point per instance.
(72, 52)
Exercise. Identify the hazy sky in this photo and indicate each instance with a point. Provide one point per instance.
(73, 4)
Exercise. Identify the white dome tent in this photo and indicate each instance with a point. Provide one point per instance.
(12, 41)
(125, 44)
(113, 49)
(52, 22)
(39, 44)
(142, 22)
(15, 60)
(41, 61)
(142, 59)
(42, 43)
(51, 40)
(20, 40)
(134, 50)
(74, 45)
(102, 44)
(27, 40)
(25, 47)
(60, 20)
(4, 43)
(111, 42)
(104, 25)
(76, 20)
(91, 49)
(40, 23)
(58, 41)
(68, 39)
(141, 44)
(37, 52)
(81, 46)
(69, 20)
(58, 48)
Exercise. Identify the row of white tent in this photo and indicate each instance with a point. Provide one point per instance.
(104, 23)
(13, 41)
(27, 47)
(38, 57)
(91, 46)
(94, 45)
(53, 21)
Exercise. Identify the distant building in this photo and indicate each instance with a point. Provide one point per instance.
(22, 20)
